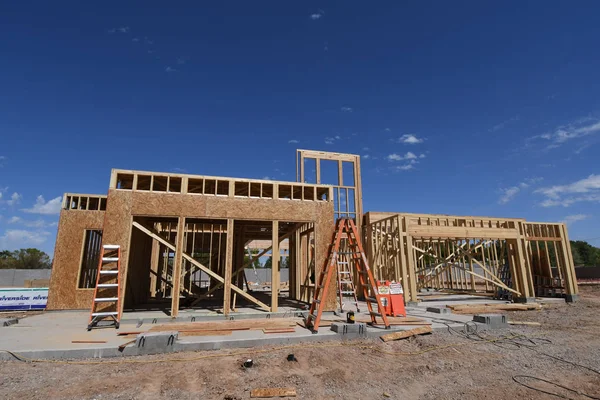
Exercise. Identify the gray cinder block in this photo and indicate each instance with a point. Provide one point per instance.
(494, 321)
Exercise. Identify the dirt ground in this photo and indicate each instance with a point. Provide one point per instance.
(448, 365)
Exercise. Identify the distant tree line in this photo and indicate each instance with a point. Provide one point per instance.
(25, 259)
(584, 254)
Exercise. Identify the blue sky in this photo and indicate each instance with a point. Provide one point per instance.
(469, 108)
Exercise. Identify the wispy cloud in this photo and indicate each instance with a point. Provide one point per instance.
(566, 133)
(39, 223)
(42, 207)
(583, 190)
(398, 157)
(409, 159)
(502, 124)
(318, 15)
(509, 193)
(570, 219)
(366, 156)
(15, 199)
(293, 141)
(409, 139)
(18, 238)
(180, 170)
(170, 69)
(2, 160)
(182, 60)
(122, 29)
(346, 109)
(332, 139)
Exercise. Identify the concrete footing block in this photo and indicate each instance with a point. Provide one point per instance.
(572, 298)
(439, 310)
(494, 321)
(412, 303)
(8, 321)
(156, 342)
(524, 299)
(350, 330)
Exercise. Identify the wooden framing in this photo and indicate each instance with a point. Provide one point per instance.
(156, 218)
(347, 191)
(462, 253)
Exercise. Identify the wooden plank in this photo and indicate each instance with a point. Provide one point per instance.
(279, 330)
(177, 267)
(88, 341)
(265, 393)
(228, 268)
(526, 323)
(406, 334)
(275, 255)
(461, 232)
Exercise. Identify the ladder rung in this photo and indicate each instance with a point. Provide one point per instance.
(312, 316)
(342, 262)
(104, 314)
(111, 246)
(110, 259)
(104, 285)
(347, 282)
(347, 292)
(344, 272)
(106, 299)
(109, 272)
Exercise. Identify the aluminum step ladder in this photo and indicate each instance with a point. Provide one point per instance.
(105, 305)
(358, 259)
(346, 288)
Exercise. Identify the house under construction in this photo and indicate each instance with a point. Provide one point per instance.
(185, 241)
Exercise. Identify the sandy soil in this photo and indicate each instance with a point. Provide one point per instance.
(446, 365)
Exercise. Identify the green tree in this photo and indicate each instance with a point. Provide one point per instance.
(25, 259)
(584, 253)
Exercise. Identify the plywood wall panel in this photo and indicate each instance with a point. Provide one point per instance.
(63, 292)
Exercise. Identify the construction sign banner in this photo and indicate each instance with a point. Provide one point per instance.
(23, 299)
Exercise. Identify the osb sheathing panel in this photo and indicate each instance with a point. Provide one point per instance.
(63, 292)
(123, 205)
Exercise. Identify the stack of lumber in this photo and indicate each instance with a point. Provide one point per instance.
(479, 308)
(219, 328)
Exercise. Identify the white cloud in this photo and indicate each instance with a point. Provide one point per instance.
(570, 219)
(122, 29)
(182, 60)
(266, 178)
(14, 220)
(346, 109)
(366, 149)
(397, 157)
(294, 141)
(409, 139)
(583, 190)
(318, 15)
(508, 194)
(18, 238)
(387, 130)
(366, 156)
(502, 124)
(135, 39)
(405, 167)
(564, 133)
(15, 198)
(2, 159)
(42, 207)
(170, 69)
(421, 155)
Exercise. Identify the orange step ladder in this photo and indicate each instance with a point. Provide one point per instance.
(105, 304)
(356, 256)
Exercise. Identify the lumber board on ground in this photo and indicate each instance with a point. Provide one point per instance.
(227, 325)
(527, 323)
(406, 334)
(491, 308)
(279, 330)
(88, 341)
(265, 393)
